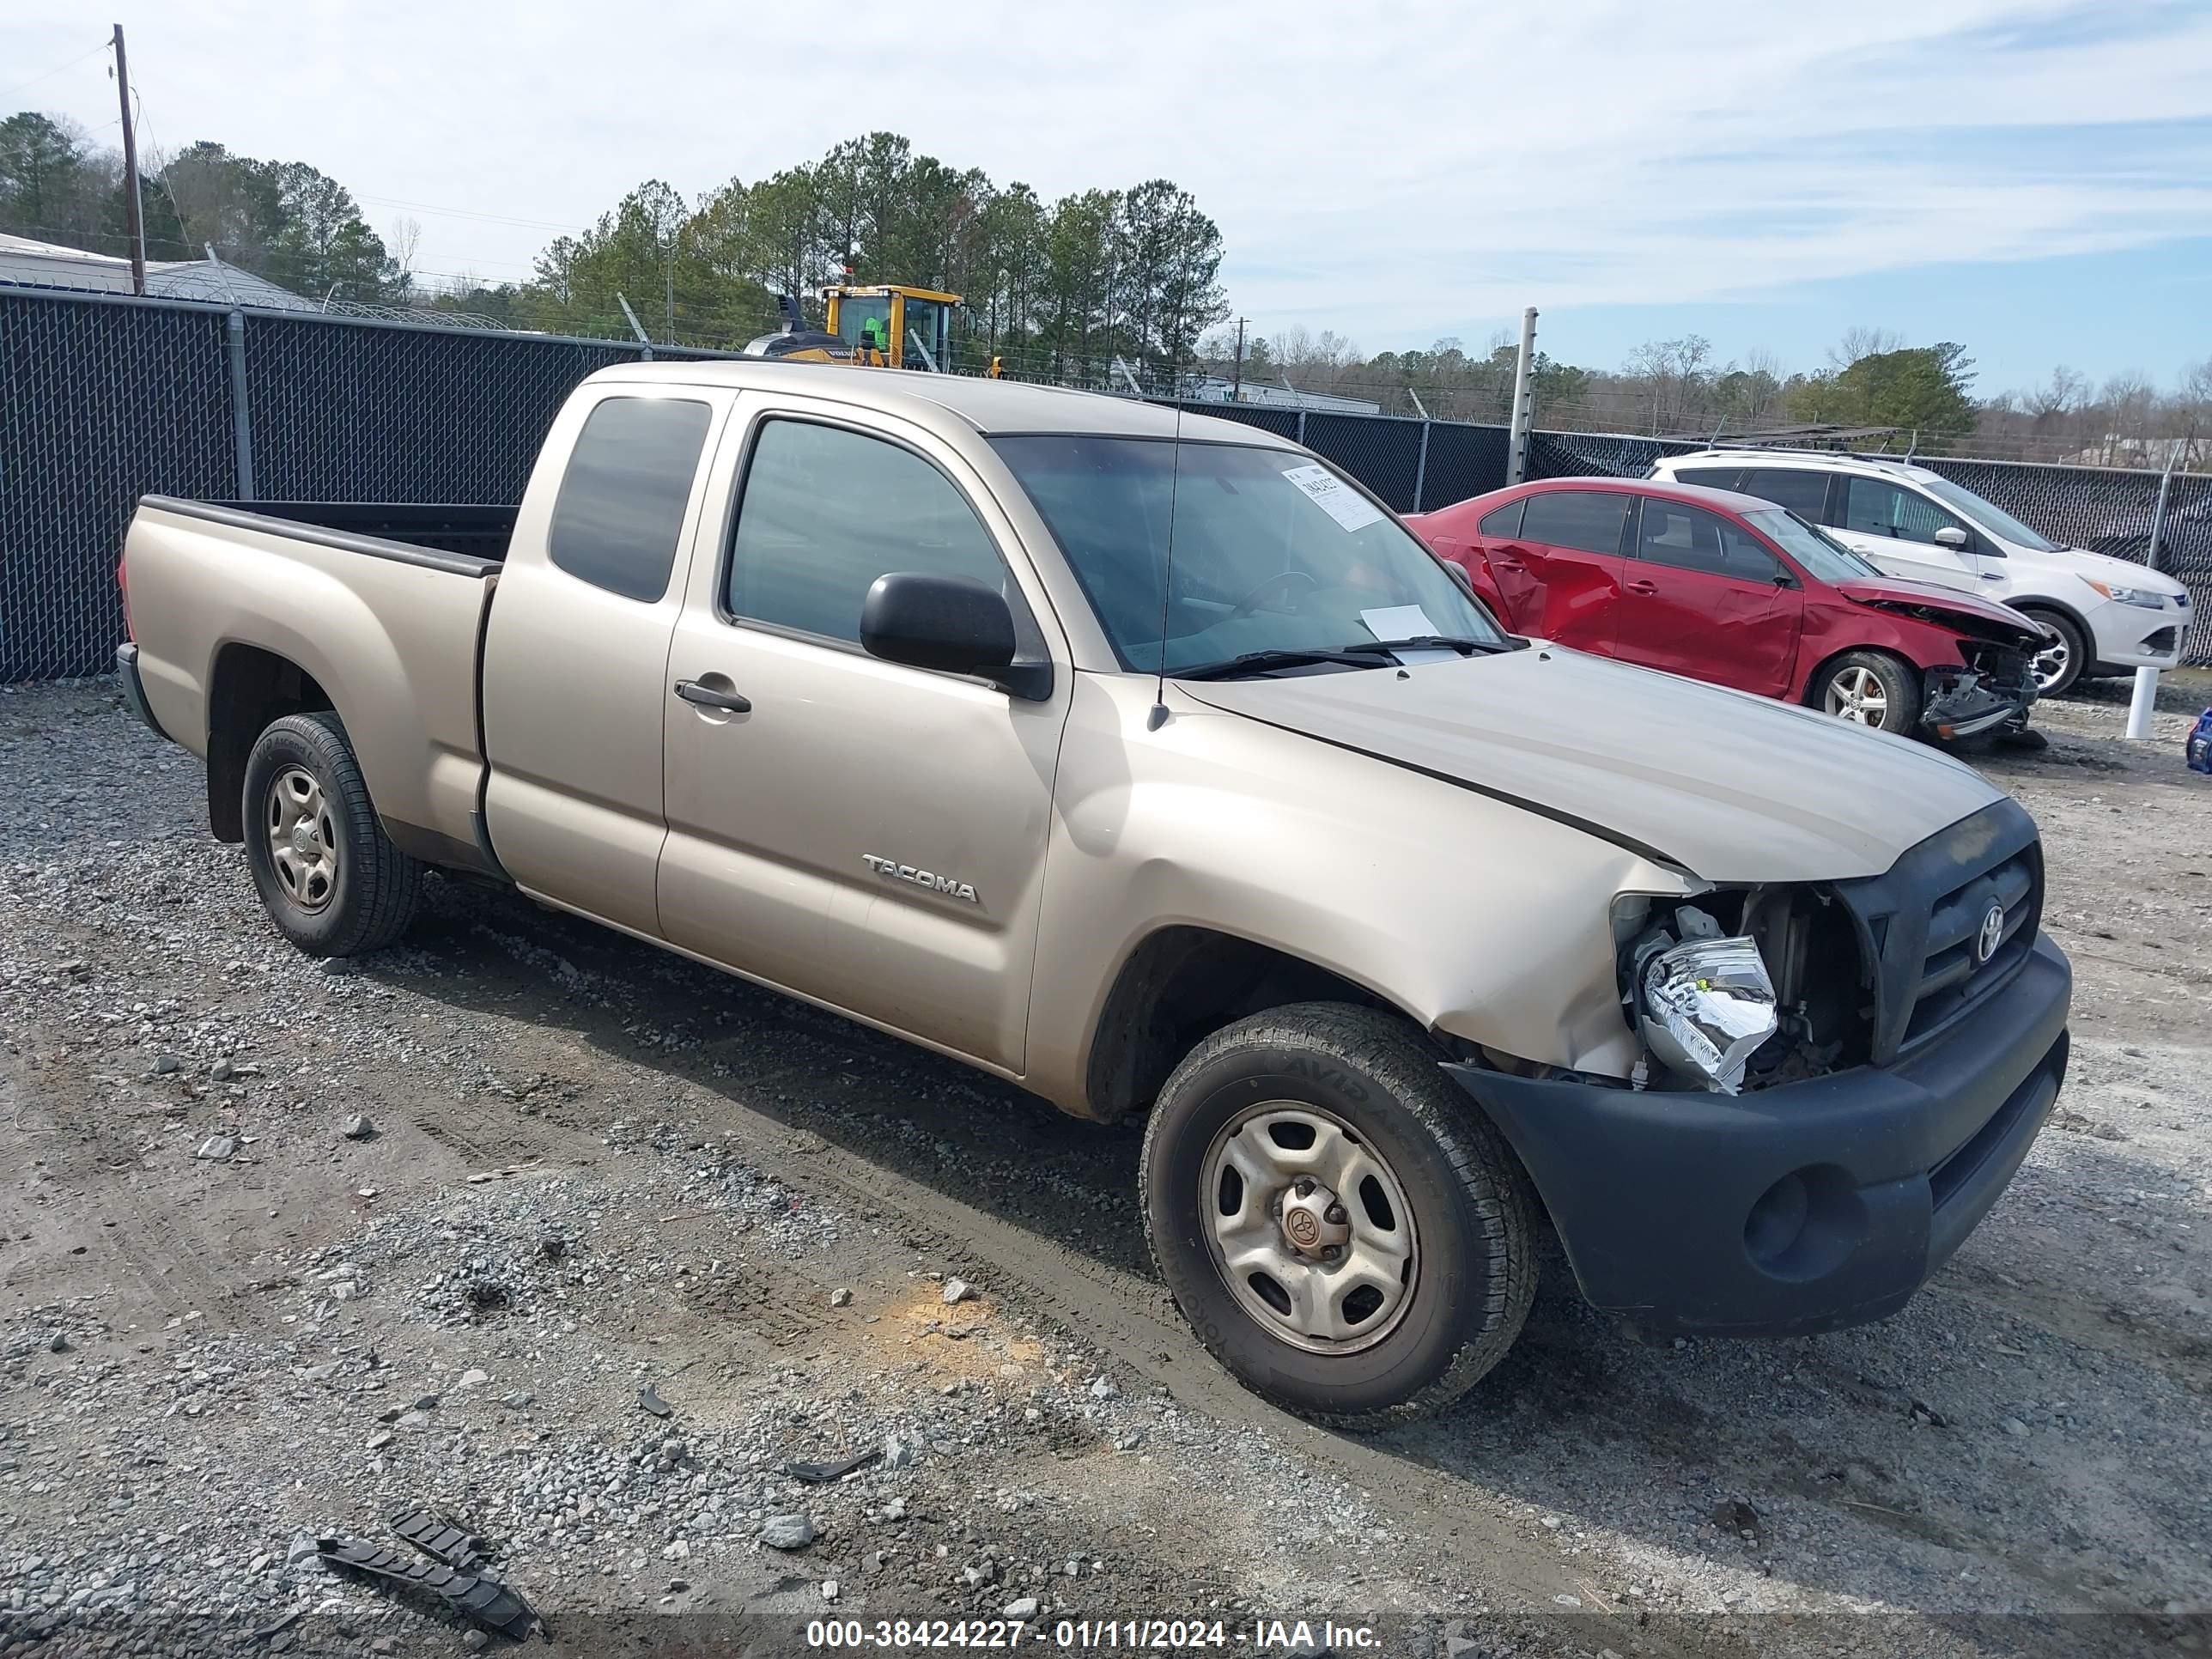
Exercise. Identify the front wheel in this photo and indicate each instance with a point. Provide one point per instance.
(2062, 658)
(1871, 689)
(328, 875)
(1347, 1231)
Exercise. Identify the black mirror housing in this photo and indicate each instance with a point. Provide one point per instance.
(949, 623)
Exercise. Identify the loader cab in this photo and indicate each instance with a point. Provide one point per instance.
(890, 326)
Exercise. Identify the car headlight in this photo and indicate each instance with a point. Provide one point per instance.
(2148, 600)
(1704, 1006)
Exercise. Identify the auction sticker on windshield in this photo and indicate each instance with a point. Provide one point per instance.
(1333, 497)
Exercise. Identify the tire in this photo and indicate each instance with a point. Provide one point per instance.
(328, 875)
(2064, 663)
(1872, 689)
(1466, 1224)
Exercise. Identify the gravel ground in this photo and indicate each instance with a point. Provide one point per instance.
(589, 1170)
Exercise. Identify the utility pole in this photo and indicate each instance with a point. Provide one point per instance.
(1237, 386)
(1516, 441)
(130, 169)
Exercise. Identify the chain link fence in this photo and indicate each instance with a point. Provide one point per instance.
(105, 398)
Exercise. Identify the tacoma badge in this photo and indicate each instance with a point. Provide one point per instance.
(892, 870)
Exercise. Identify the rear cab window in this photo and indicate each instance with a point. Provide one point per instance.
(620, 509)
(1587, 520)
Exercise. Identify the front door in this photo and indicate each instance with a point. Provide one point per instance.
(1703, 597)
(865, 834)
(1561, 576)
(1896, 528)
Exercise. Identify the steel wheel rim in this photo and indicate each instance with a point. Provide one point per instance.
(2049, 664)
(1857, 694)
(303, 842)
(1270, 1242)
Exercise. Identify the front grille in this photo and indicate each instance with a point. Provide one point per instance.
(1921, 925)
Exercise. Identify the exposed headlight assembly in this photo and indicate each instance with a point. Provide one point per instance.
(1703, 1005)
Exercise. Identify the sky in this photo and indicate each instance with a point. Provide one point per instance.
(2032, 178)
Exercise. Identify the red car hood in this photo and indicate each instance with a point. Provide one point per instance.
(1893, 591)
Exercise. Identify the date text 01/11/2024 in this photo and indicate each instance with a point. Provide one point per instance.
(1147, 1635)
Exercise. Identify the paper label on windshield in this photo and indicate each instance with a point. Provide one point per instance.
(1333, 497)
(1408, 622)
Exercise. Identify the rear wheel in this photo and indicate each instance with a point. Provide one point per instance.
(328, 875)
(1872, 689)
(2063, 657)
(1347, 1233)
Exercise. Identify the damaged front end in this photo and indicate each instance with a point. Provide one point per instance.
(1741, 988)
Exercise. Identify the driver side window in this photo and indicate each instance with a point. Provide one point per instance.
(826, 511)
(1875, 507)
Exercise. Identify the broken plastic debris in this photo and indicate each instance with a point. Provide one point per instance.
(820, 1474)
(654, 1403)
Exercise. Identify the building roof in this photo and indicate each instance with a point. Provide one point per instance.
(48, 265)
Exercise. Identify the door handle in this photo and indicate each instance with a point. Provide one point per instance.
(707, 696)
(1506, 564)
(1643, 587)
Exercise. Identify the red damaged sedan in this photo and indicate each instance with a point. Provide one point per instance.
(1729, 588)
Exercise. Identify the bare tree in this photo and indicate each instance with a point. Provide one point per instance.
(1861, 341)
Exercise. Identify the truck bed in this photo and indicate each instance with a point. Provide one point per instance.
(240, 611)
(480, 530)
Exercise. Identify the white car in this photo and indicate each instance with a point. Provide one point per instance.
(2106, 616)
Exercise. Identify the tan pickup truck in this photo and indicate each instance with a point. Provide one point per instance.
(1147, 761)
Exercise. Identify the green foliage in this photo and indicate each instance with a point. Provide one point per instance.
(1058, 289)
(1923, 389)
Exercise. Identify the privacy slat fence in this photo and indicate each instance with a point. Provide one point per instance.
(104, 398)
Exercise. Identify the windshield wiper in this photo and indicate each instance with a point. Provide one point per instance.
(1430, 642)
(1259, 662)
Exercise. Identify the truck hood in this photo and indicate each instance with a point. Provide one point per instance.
(1730, 787)
(1973, 613)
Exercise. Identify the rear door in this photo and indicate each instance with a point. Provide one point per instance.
(576, 648)
(1560, 574)
(1705, 597)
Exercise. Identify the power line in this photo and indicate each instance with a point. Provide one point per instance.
(48, 74)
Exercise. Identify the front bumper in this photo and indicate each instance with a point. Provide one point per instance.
(1961, 704)
(2134, 637)
(1800, 1209)
(134, 689)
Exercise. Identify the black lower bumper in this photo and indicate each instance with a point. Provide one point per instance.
(134, 689)
(1799, 1208)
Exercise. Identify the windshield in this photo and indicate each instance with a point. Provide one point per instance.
(1272, 552)
(1816, 553)
(1991, 516)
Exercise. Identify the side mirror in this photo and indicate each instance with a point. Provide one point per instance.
(949, 623)
(1951, 537)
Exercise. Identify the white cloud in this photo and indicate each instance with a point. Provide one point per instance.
(1392, 172)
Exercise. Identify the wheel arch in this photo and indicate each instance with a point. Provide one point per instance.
(249, 687)
(1180, 984)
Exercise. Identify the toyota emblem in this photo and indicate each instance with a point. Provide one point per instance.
(1992, 935)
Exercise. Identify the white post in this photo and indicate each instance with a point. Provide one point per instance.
(1516, 440)
(2144, 702)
